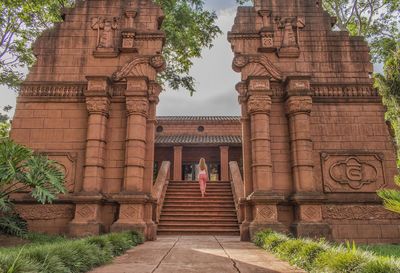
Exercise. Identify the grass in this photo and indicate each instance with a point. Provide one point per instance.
(320, 256)
(383, 250)
(66, 256)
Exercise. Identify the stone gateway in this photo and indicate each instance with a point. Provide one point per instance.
(312, 145)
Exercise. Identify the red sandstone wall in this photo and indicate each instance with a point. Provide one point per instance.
(355, 129)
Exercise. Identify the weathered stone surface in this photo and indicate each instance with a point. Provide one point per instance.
(324, 136)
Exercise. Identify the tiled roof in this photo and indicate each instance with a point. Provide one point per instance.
(182, 139)
(198, 118)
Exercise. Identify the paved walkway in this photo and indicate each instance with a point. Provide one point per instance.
(197, 254)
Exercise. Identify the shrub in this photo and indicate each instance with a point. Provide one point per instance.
(69, 256)
(319, 256)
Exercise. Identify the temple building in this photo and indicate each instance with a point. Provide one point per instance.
(306, 156)
(183, 140)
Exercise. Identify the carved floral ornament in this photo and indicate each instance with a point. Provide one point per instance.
(259, 104)
(140, 67)
(139, 106)
(257, 66)
(98, 105)
(352, 172)
(299, 104)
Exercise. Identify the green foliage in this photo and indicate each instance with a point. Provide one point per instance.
(319, 256)
(21, 21)
(22, 170)
(189, 28)
(383, 250)
(72, 256)
(377, 20)
(389, 88)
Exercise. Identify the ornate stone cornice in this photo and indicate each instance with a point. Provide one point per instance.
(298, 104)
(98, 105)
(256, 65)
(344, 91)
(259, 104)
(137, 106)
(141, 67)
(52, 89)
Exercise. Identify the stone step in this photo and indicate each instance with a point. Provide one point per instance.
(198, 225)
(192, 221)
(195, 181)
(193, 217)
(198, 198)
(199, 207)
(197, 191)
(224, 232)
(194, 211)
(199, 201)
(197, 187)
(179, 194)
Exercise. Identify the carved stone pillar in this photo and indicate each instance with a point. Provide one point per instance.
(246, 150)
(87, 220)
(224, 158)
(307, 197)
(154, 92)
(135, 198)
(264, 200)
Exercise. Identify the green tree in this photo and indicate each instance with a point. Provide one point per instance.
(377, 20)
(5, 125)
(188, 25)
(389, 88)
(22, 170)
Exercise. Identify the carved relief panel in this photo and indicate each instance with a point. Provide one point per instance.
(352, 172)
(290, 28)
(67, 163)
(105, 44)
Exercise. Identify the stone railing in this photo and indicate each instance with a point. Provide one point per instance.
(160, 188)
(237, 188)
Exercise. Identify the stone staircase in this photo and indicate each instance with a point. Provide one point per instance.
(185, 212)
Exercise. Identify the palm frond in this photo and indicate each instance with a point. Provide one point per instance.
(391, 199)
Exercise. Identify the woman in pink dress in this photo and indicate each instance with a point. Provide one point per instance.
(203, 176)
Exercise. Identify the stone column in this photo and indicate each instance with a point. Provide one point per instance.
(136, 195)
(87, 220)
(263, 199)
(246, 153)
(154, 91)
(224, 161)
(178, 163)
(307, 197)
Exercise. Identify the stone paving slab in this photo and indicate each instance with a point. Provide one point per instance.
(197, 254)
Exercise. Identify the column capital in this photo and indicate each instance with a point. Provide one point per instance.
(298, 85)
(137, 106)
(98, 105)
(178, 147)
(98, 86)
(299, 104)
(259, 104)
(137, 86)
